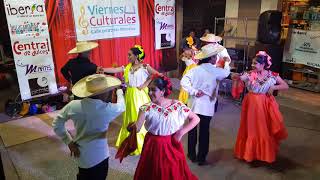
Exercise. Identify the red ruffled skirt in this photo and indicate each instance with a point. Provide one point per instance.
(261, 129)
(162, 158)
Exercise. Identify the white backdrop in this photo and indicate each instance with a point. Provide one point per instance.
(30, 40)
(103, 19)
(303, 47)
(165, 23)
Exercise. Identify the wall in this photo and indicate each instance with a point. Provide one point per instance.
(268, 5)
(249, 9)
(232, 8)
(200, 14)
(239, 10)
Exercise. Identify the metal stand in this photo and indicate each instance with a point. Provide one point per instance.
(245, 40)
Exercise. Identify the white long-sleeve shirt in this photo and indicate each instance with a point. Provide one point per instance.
(91, 118)
(203, 77)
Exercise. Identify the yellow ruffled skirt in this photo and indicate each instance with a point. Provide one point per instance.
(134, 99)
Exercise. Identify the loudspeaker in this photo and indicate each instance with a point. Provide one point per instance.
(269, 27)
(276, 53)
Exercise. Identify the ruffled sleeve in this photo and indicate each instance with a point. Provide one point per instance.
(183, 112)
(145, 108)
(273, 76)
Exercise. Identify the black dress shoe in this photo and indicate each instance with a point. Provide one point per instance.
(203, 163)
(192, 159)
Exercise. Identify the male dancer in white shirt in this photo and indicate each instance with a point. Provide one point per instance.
(200, 82)
(223, 59)
(91, 117)
(214, 40)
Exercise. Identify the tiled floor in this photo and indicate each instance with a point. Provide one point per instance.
(48, 158)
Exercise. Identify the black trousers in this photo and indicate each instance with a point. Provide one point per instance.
(216, 106)
(2, 176)
(97, 172)
(203, 145)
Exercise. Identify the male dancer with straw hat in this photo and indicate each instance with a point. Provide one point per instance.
(221, 56)
(223, 59)
(200, 82)
(91, 117)
(81, 66)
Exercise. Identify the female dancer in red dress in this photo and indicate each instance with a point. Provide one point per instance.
(261, 126)
(162, 156)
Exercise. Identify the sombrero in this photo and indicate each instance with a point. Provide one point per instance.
(95, 84)
(208, 51)
(83, 46)
(211, 38)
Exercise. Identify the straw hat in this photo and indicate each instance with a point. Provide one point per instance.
(211, 38)
(208, 51)
(95, 84)
(83, 46)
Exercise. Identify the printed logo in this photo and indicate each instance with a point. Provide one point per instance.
(34, 69)
(300, 32)
(307, 48)
(165, 40)
(165, 26)
(38, 86)
(31, 48)
(292, 60)
(25, 11)
(99, 16)
(165, 10)
(313, 64)
(82, 22)
(28, 28)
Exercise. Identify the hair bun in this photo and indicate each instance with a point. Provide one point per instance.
(141, 55)
(167, 85)
(267, 56)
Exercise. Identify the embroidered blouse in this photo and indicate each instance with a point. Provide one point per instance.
(256, 85)
(164, 121)
(138, 77)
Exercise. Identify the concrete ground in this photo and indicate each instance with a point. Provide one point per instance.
(31, 151)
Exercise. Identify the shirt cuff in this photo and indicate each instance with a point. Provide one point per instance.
(119, 92)
(67, 140)
(193, 92)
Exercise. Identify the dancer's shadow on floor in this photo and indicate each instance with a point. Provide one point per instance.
(220, 155)
(282, 164)
(293, 157)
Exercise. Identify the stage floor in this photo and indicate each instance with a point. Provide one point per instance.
(34, 152)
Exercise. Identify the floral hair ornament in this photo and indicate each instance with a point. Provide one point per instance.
(166, 79)
(140, 56)
(190, 41)
(263, 53)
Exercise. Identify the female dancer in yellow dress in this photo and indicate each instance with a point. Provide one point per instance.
(137, 76)
(187, 57)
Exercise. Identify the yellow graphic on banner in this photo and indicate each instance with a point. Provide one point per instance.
(82, 22)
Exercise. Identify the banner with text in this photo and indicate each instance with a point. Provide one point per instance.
(30, 40)
(303, 47)
(102, 19)
(165, 23)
